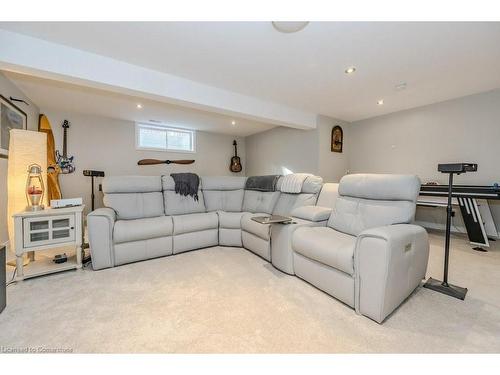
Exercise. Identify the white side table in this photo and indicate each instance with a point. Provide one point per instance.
(37, 231)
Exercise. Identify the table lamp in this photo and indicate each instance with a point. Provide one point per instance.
(34, 188)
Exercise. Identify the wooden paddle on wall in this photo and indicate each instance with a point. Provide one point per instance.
(53, 170)
(156, 161)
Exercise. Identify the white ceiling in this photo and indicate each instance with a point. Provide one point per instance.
(48, 94)
(439, 61)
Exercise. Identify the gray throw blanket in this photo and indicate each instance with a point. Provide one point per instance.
(186, 184)
(262, 183)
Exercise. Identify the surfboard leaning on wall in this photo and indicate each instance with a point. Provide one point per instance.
(53, 170)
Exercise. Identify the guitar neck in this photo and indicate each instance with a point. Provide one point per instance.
(65, 153)
(235, 150)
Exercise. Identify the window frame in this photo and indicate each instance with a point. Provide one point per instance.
(166, 128)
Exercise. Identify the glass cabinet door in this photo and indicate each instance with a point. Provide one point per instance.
(49, 230)
(39, 236)
(61, 223)
(39, 225)
(36, 231)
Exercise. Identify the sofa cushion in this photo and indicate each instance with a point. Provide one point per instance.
(133, 197)
(230, 220)
(260, 201)
(388, 187)
(225, 200)
(260, 230)
(176, 204)
(312, 213)
(135, 205)
(223, 183)
(372, 200)
(288, 202)
(328, 195)
(195, 222)
(131, 184)
(223, 193)
(326, 246)
(142, 229)
(354, 215)
(311, 185)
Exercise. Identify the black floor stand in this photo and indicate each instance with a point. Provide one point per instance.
(479, 248)
(443, 286)
(91, 174)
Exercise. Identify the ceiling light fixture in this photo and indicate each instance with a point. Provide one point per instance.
(139, 106)
(350, 70)
(380, 102)
(288, 27)
(233, 122)
(400, 86)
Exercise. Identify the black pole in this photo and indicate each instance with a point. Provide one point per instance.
(443, 286)
(92, 195)
(448, 232)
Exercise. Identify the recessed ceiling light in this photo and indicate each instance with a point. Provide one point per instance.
(139, 106)
(233, 122)
(380, 102)
(400, 86)
(350, 70)
(289, 27)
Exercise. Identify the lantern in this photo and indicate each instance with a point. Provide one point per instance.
(34, 188)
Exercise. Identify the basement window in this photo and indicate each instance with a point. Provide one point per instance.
(164, 138)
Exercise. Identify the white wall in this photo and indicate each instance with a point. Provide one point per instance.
(106, 144)
(417, 140)
(7, 89)
(280, 149)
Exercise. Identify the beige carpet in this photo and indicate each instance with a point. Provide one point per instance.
(227, 300)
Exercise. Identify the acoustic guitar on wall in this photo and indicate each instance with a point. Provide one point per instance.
(235, 165)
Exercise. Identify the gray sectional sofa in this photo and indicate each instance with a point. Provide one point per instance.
(352, 240)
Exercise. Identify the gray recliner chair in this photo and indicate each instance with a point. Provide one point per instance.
(368, 256)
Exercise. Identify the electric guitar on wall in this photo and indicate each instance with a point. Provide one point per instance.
(235, 165)
(65, 162)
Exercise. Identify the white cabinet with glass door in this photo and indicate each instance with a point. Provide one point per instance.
(38, 232)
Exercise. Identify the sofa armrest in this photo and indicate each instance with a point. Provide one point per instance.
(390, 262)
(312, 213)
(100, 224)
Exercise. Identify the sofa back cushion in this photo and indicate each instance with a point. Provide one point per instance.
(260, 201)
(133, 197)
(328, 195)
(176, 204)
(372, 200)
(287, 202)
(223, 193)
